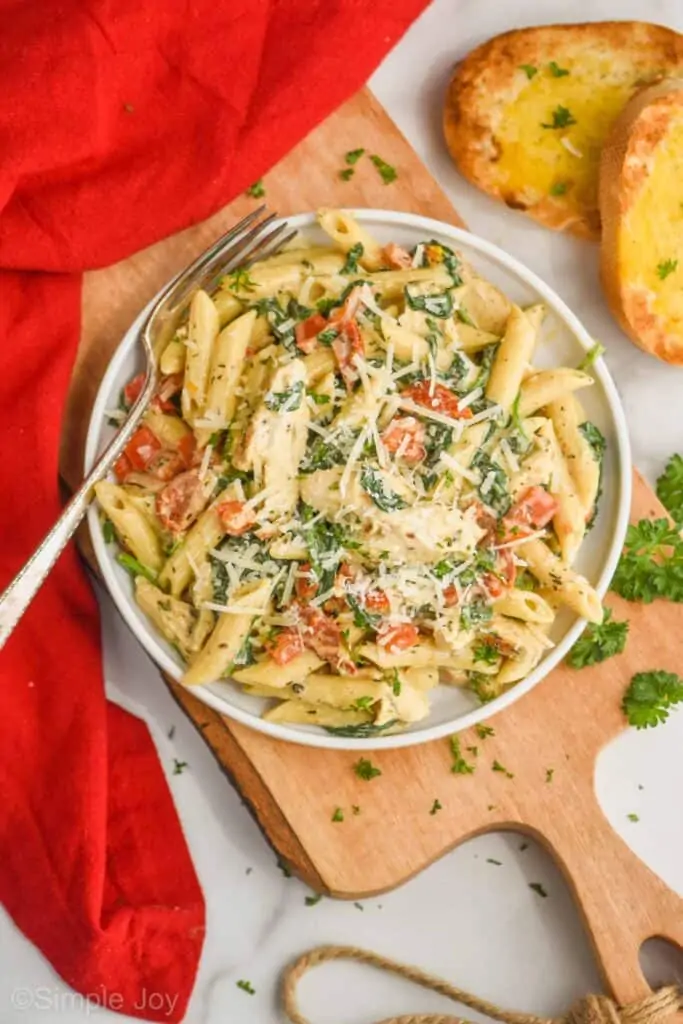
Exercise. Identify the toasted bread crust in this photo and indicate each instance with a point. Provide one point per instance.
(489, 78)
(624, 169)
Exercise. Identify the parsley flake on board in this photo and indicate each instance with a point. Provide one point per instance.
(529, 70)
(436, 806)
(549, 772)
(338, 814)
(670, 488)
(484, 731)
(366, 770)
(346, 174)
(386, 172)
(353, 156)
(257, 190)
(460, 766)
(246, 986)
(651, 563)
(599, 642)
(561, 118)
(649, 697)
(665, 268)
(498, 767)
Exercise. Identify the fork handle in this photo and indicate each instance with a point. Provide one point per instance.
(17, 597)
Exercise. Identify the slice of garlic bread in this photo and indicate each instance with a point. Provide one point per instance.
(527, 112)
(641, 201)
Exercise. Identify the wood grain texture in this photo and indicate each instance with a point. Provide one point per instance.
(562, 724)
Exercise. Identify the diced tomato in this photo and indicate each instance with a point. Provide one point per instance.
(398, 638)
(438, 399)
(306, 587)
(132, 390)
(450, 596)
(377, 601)
(235, 518)
(343, 314)
(306, 332)
(503, 647)
(186, 448)
(532, 511)
(485, 520)
(165, 465)
(406, 434)
(142, 448)
(396, 257)
(494, 586)
(181, 501)
(321, 634)
(496, 583)
(122, 467)
(286, 646)
(347, 344)
(168, 387)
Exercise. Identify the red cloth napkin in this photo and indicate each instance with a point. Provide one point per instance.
(120, 123)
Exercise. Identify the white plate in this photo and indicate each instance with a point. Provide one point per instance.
(563, 342)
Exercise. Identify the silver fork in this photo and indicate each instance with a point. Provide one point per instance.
(253, 237)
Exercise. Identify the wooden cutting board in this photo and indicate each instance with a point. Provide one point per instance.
(561, 725)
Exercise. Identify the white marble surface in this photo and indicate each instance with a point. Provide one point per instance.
(474, 922)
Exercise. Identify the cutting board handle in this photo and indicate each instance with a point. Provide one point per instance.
(622, 902)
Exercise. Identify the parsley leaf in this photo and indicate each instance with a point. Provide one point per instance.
(632, 817)
(436, 806)
(670, 488)
(257, 190)
(179, 766)
(246, 986)
(529, 70)
(486, 652)
(338, 814)
(460, 766)
(665, 268)
(556, 71)
(561, 118)
(549, 772)
(598, 642)
(484, 731)
(352, 257)
(498, 767)
(346, 174)
(366, 770)
(386, 172)
(474, 613)
(239, 281)
(651, 564)
(353, 156)
(649, 696)
(311, 901)
(373, 485)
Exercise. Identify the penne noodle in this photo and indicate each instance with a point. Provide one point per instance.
(514, 352)
(547, 386)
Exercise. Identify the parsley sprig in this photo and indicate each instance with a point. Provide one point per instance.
(599, 642)
(460, 766)
(651, 565)
(670, 488)
(561, 118)
(649, 697)
(366, 770)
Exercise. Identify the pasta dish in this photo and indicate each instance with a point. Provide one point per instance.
(352, 484)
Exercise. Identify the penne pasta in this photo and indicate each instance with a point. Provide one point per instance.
(513, 355)
(569, 587)
(546, 386)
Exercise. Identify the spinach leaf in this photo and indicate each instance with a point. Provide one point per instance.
(373, 485)
(352, 257)
(286, 401)
(598, 446)
(440, 304)
(360, 732)
(493, 491)
(475, 614)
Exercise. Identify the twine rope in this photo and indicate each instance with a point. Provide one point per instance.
(653, 1009)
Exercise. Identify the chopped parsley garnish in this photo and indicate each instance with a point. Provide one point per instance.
(108, 531)
(353, 156)
(386, 172)
(484, 731)
(665, 268)
(439, 304)
(537, 887)
(498, 767)
(649, 697)
(556, 71)
(338, 814)
(670, 488)
(475, 613)
(311, 901)
(372, 484)
(286, 401)
(591, 356)
(561, 118)
(492, 860)
(436, 806)
(559, 188)
(327, 336)
(239, 281)
(179, 766)
(651, 564)
(599, 642)
(632, 817)
(486, 652)
(347, 173)
(363, 703)
(355, 809)
(459, 766)
(246, 986)
(482, 686)
(352, 257)
(257, 190)
(135, 568)
(366, 770)
(549, 772)
(529, 70)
